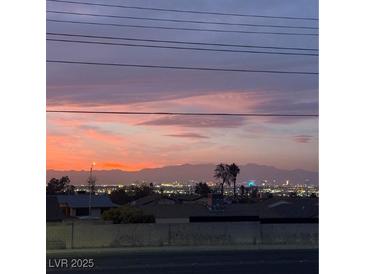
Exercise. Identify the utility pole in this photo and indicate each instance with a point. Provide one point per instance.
(90, 185)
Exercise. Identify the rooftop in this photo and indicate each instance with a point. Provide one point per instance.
(82, 201)
(272, 208)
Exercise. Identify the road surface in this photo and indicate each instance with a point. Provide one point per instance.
(186, 261)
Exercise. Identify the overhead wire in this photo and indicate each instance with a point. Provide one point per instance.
(179, 42)
(179, 48)
(181, 67)
(183, 48)
(185, 11)
(181, 28)
(181, 113)
(180, 20)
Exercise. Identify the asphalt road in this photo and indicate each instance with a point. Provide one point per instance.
(187, 261)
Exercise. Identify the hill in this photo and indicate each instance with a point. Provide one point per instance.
(185, 173)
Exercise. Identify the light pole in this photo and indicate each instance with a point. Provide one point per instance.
(90, 185)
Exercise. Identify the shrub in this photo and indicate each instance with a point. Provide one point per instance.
(127, 215)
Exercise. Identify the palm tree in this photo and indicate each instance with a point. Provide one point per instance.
(221, 172)
(233, 172)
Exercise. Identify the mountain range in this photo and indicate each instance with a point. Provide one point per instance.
(185, 173)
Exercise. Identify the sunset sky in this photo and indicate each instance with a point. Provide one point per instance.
(130, 142)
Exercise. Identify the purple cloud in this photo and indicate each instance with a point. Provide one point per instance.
(188, 135)
(190, 121)
(290, 106)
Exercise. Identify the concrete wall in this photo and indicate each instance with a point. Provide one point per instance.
(214, 233)
(94, 235)
(289, 234)
(59, 236)
(125, 235)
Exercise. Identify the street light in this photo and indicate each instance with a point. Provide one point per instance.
(90, 183)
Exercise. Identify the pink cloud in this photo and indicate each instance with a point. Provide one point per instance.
(304, 139)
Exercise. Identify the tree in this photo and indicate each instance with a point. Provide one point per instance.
(202, 189)
(293, 194)
(161, 190)
(70, 189)
(53, 186)
(254, 192)
(57, 186)
(143, 191)
(221, 172)
(313, 195)
(120, 197)
(233, 172)
(242, 190)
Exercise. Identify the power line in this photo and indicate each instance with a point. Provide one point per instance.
(185, 29)
(181, 113)
(179, 48)
(180, 21)
(180, 67)
(180, 42)
(186, 11)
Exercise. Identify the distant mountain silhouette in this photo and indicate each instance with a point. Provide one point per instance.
(185, 173)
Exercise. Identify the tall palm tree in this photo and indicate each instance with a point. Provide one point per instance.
(221, 172)
(233, 172)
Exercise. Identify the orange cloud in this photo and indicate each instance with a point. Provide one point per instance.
(126, 167)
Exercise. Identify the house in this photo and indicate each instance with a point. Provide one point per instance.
(76, 206)
(153, 199)
(188, 213)
(290, 208)
(168, 200)
(269, 211)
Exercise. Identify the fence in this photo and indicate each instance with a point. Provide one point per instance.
(97, 235)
